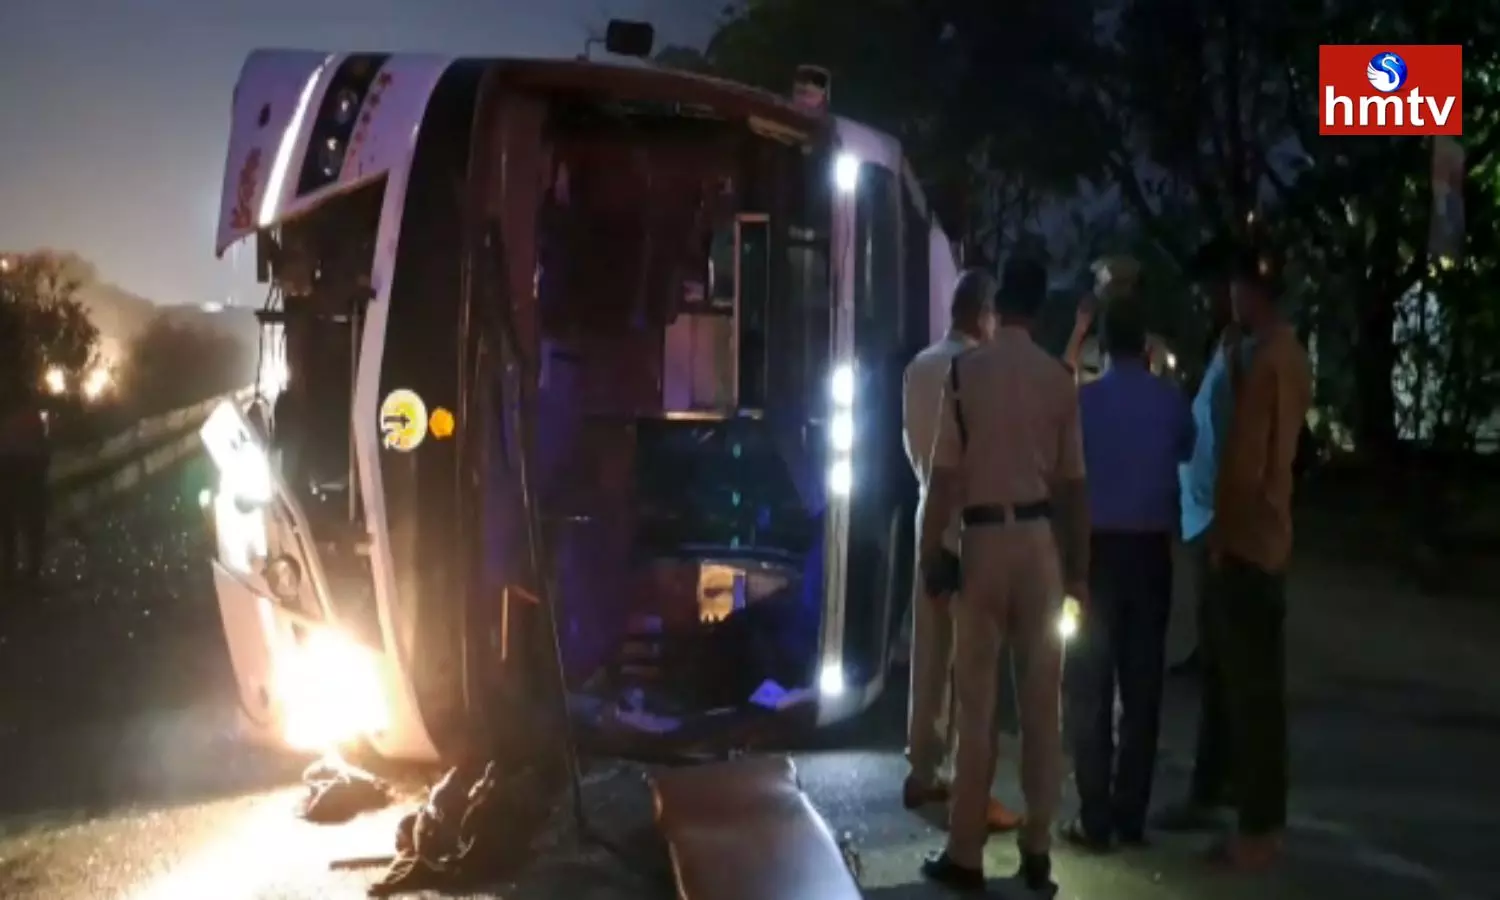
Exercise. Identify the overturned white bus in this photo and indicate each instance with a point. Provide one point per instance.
(585, 367)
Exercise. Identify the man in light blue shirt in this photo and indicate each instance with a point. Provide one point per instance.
(1212, 409)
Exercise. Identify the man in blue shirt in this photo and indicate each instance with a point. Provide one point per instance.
(1136, 430)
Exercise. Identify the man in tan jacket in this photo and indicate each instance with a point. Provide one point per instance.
(1250, 544)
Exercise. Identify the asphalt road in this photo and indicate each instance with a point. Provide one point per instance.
(123, 777)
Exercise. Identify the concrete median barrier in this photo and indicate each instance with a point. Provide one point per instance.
(83, 478)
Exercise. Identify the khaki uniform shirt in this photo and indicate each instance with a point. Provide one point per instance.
(922, 407)
(1020, 411)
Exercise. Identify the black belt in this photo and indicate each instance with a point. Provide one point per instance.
(1003, 513)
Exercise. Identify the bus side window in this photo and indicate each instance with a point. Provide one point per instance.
(916, 272)
(877, 285)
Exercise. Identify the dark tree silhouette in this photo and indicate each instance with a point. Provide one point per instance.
(42, 324)
(173, 363)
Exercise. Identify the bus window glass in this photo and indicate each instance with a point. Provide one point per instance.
(807, 282)
(916, 271)
(877, 286)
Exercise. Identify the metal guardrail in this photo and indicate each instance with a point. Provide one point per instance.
(117, 464)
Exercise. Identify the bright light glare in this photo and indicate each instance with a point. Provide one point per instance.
(244, 468)
(242, 535)
(841, 432)
(1171, 360)
(205, 498)
(248, 477)
(1067, 623)
(841, 478)
(329, 691)
(270, 202)
(831, 681)
(96, 384)
(57, 380)
(841, 385)
(846, 172)
(275, 374)
(244, 487)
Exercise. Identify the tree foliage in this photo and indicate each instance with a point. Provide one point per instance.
(173, 362)
(1156, 124)
(42, 324)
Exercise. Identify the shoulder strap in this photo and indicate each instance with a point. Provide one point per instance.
(958, 404)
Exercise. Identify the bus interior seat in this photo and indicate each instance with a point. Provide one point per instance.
(744, 830)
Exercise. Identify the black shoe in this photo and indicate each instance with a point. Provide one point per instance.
(937, 867)
(1036, 873)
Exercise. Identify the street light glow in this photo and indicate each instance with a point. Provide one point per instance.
(57, 380)
(96, 384)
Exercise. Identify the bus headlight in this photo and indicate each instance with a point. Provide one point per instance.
(841, 385)
(1067, 622)
(831, 680)
(331, 157)
(841, 432)
(329, 690)
(846, 172)
(841, 478)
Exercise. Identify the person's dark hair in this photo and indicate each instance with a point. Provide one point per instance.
(973, 295)
(1122, 332)
(1023, 288)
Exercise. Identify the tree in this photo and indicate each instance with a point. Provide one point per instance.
(950, 78)
(686, 59)
(1215, 101)
(1197, 119)
(1364, 203)
(172, 363)
(42, 324)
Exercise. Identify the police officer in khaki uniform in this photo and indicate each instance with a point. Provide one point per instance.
(1008, 454)
(929, 715)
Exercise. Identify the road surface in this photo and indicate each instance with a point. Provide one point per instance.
(123, 778)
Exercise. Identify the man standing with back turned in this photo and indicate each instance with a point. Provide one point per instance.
(929, 713)
(1009, 455)
(1136, 429)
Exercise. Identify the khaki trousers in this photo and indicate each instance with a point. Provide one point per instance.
(929, 712)
(1012, 592)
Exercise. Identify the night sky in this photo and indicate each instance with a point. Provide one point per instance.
(116, 112)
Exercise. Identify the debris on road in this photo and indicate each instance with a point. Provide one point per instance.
(850, 850)
(468, 831)
(338, 791)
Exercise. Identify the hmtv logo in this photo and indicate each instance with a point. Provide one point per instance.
(1401, 89)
